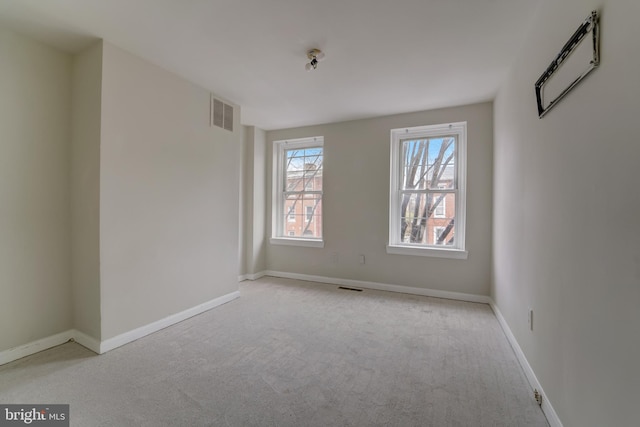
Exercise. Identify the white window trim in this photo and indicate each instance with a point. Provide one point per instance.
(427, 251)
(397, 136)
(278, 236)
(297, 241)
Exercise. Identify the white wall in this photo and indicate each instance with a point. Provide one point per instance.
(255, 186)
(35, 288)
(168, 196)
(356, 205)
(242, 205)
(567, 235)
(85, 189)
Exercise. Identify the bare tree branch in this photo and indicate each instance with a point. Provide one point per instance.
(446, 231)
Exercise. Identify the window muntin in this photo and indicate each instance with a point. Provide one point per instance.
(298, 173)
(427, 193)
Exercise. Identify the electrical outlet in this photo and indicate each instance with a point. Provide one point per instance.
(530, 319)
(361, 257)
(334, 258)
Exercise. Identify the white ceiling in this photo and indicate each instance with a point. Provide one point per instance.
(382, 56)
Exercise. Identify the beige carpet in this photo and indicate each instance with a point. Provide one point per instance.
(291, 353)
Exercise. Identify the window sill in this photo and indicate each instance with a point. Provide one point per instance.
(429, 252)
(309, 243)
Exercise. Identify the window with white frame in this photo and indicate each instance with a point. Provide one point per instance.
(439, 206)
(427, 191)
(292, 214)
(437, 232)
(297, 191)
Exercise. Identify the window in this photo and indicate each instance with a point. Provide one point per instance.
(441, 236)
(297, 192)
(427, 191)
(439, 206)
(292, 213)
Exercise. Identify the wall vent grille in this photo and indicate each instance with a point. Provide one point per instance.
(349, 289)
(221, 114)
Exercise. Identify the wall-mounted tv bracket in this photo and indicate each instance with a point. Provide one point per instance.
(589, 26)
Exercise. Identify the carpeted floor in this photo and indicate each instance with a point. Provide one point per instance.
(291, 353)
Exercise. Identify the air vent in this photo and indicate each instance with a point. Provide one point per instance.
(221, 114)
(349, 289)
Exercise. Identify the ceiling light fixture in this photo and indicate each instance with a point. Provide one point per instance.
(314, 55)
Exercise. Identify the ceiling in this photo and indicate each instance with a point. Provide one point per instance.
(382, 56)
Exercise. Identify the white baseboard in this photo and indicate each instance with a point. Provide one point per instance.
(96, 346)
(252, 277)
(117, 341)
(86, 341)
(127, 337)
(547, 408)
(382, 287)
(34, 347)
(256, 276)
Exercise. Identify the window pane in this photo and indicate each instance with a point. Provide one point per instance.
(428, 163)
(294, 168)
(313, 155)
(427, 218)
(306, 211)
(439, 205)
(303, 169)
(313, 176)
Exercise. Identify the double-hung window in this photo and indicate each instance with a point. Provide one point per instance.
(297, 192)
(427, 191)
